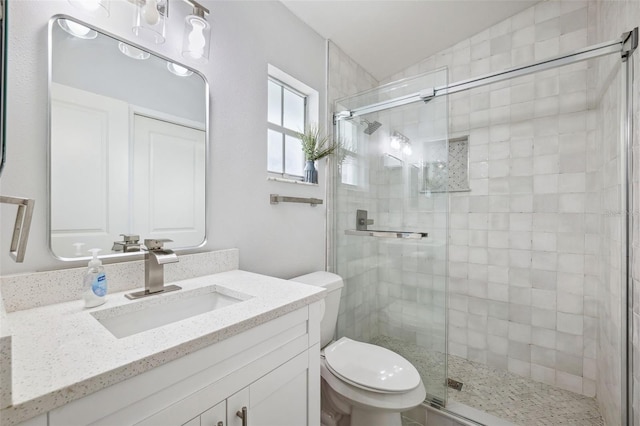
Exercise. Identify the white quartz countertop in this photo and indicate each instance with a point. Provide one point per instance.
(62, 353)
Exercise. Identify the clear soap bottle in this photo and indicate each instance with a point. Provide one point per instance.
(94, 284)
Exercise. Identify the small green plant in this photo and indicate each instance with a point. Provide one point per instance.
(314, 145)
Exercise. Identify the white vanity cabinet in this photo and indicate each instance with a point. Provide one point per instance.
(280, 398)
(272, 369)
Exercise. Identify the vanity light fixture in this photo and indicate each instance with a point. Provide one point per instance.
(150, 18)
(197, 33)
(92, 7)
(77, 30)
(178, 70)
(133, 52)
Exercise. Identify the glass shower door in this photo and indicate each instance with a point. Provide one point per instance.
(390, 226)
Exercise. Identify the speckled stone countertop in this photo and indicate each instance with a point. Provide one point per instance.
(62, 353)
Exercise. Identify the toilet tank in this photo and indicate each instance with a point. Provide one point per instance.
(333, 283)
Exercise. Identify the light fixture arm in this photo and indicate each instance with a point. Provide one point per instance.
(198, 9)
(162, 8)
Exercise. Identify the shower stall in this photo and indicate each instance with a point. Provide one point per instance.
(482, 233)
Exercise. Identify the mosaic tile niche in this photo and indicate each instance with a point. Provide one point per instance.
(437, 176)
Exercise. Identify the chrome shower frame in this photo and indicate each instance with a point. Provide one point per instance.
(629, 46)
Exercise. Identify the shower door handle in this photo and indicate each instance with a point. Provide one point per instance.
(409, 235)
(362, 221)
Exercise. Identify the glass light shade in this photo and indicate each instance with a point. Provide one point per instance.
(92, 7)
(178, 70)
(77, 30)
(150, 20)
(133, 52)
(395, 142)
(195, 43)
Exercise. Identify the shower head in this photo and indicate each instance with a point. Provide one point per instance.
(371, 127)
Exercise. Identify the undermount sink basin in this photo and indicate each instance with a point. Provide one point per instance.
(134, 318)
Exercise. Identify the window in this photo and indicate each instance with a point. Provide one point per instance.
(292, 106)
(287, 116)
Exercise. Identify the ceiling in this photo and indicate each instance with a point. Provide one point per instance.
(387, 36)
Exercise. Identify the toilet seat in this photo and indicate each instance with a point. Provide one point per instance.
(371, 367)
(371, 399)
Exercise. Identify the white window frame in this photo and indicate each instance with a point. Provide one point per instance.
(311, 114)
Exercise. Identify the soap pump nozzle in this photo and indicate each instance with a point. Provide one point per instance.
(95, 261)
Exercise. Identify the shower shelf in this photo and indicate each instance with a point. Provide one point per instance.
(388, 234)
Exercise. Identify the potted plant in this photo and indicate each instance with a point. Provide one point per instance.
(315, 146)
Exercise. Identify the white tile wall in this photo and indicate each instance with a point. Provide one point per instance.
(518, 238)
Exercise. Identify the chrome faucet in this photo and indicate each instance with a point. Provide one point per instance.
(128, 244)
(154, 260)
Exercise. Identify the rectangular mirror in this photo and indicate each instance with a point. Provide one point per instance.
(128, 145)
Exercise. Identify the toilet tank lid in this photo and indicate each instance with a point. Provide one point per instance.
(324, 279)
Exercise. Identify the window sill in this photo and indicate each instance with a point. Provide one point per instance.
(284, 180)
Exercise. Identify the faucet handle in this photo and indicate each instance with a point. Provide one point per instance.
(130, 238)
(156, 243)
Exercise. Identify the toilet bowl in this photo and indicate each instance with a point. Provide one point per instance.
(362, 384)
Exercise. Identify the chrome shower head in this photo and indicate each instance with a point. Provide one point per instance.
(371, 127)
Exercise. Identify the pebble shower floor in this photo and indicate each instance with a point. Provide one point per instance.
(500, 393)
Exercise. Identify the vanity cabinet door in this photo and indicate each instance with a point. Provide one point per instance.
(235, 404)
(215, 416)
(280, 398)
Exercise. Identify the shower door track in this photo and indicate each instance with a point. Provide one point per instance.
(594, 51)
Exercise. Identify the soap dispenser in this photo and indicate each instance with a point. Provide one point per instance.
(94, 285)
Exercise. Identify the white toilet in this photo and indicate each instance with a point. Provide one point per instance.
(362, 384)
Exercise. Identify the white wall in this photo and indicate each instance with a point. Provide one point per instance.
(281, 240)
(284, 239)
